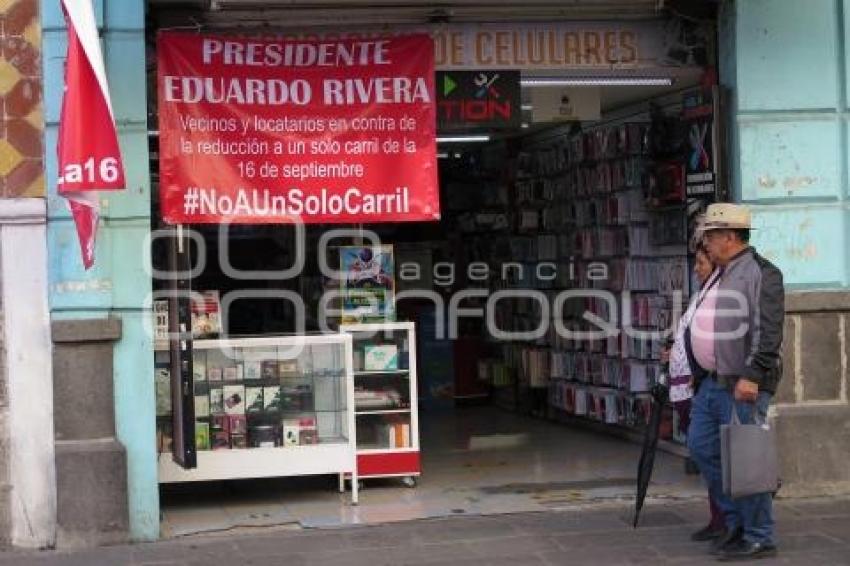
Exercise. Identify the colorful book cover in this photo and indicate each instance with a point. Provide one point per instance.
(271, 399)
(291, 432)
(309, 436)
(397, 435)
(234, 399)
(254, 400)
(220, 423)
(263, 436)
(202, 436)
(216, 400)
(163, 392)
(206, 322)
(269, 369)
(253, 370)
(220, 440)
(287, 368)
(199, 368)
(401, 435)
(405, 430)
(296, 395)
(368, 285)
(237, 424)
(202, 406)
(231, 373)
(214, 373)
(307, 432)
(382, 357)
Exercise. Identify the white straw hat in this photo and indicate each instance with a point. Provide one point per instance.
(727, 216)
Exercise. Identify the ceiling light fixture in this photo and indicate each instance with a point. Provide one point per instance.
(462, 139)
(596, 81)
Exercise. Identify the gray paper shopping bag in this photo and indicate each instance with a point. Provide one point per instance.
(748, 458)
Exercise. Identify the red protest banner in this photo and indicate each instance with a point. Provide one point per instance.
(258, 131)
(87, 148)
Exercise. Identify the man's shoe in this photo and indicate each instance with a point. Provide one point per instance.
(708, 533)
(746, 550)
(730, 537)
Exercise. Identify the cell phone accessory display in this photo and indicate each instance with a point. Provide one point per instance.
(605, 209)
(282, 406)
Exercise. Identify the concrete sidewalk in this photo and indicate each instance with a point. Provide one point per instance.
(811, 531)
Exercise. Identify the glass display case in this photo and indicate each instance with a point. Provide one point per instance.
(268, 407)
(385, 401)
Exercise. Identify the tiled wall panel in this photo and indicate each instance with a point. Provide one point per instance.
(21, 117)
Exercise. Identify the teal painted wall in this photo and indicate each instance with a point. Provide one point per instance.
(119, 283)
(785, 62)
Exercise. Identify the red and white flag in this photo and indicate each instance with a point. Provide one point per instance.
(89, 156)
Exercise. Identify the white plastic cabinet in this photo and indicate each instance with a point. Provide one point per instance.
(385, 399)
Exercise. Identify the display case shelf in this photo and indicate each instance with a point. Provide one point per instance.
(383, 412)
(272, 407)
(384, 369)
(382, 372)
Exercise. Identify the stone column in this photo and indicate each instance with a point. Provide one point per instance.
(813, 414)
(91, 465)
(28, 500)
(5, 485)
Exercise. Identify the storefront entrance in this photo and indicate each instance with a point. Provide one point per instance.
(497, 403)
(475, 461)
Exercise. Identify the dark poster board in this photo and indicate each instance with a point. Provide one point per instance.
(698, 116)
(474, 100)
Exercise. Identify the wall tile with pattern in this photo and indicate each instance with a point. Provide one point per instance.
(21, 116)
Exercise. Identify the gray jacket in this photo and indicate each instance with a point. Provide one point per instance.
(749, 318)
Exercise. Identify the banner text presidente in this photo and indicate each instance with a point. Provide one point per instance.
(270, 91)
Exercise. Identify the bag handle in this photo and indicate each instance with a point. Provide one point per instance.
(735, 420)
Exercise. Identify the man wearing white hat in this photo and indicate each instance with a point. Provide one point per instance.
(738, 359)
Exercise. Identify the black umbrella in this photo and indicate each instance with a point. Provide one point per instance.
(660, 394)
